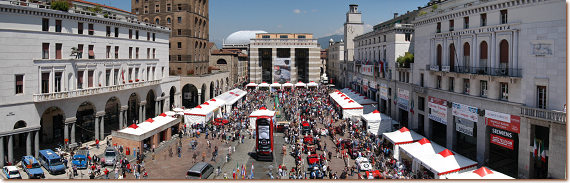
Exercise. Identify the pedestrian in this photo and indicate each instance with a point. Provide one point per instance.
(179, 151)
(97, 143)
(106, 173)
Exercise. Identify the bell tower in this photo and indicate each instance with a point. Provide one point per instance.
(352, 27)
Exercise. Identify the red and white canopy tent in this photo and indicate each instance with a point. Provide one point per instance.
(367, 103)
(203, 113)
(401, 136)
(312, 84)
(275, 86)
(134, 135)
(414, 151)
(263, 85)
(446, 163)
(259, 113)
(287, 85)
(350, 108)
(251, 85)
(481, 173)
(230, 98)
(300, 84)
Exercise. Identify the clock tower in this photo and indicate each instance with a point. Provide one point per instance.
(352, 27)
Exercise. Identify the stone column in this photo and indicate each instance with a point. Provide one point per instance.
(96, 127)
(65, 132)
(11, 149)
(140, 112)
(36, 143)
(67, 123)
(29, 143)
(156, 110)
(102, 136)
(73, 132)
(2, 152)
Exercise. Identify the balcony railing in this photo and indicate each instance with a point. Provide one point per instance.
(491, 71)
(543, 114)
(432, 67)
(90, 91)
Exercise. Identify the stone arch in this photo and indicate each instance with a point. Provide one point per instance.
(504, 55)
(189, 96)
(85, 125)
(168, 20)
(157, 20)
(483, 54)
(438, 56)
(452, 56)
(212, 87)
(466, 55)
(221, 62)
(133, 108)
(145, 20)
(171, 97)
(203, 98)
(20, 139)
(51, 127)
(20, 124)
(150, 107)
(112, 109)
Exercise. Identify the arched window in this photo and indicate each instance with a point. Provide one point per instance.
(466, 54)
(168, 20)
(221, 61)
(452, 56)
(146, 20)
(504, 54)
(157, 21)
(438, 55)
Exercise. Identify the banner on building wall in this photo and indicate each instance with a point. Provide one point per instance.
(383, 91)
(438, 109)
(367, 70)
(403, 98)
(282, 70)
(503, 121)
(502, 138)
(464, 126)
(373, 85)
(464, 111)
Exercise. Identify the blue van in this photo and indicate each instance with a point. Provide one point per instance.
(32, 167)
(51, 162)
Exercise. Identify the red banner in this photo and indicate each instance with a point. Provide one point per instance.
(512, 126)
(502, 141)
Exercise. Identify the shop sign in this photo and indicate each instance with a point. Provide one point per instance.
(503, 121)
(502, 133)
(438, 109)
(367, 70)
(383, 91)
(403, 98)
(465, 111)
(373, 84)
(464, 126)
(502, 141)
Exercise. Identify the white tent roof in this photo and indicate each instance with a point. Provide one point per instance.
(362, 100)
(372, 117)
(274, 85)
(312, 84)
(232, 96)
(170, 113)
(262, 112)
(146, 127)
(421, 148)
(251, 85)
(287, 84)
(205, 108)
(402, 136)
(481, 173)
(446, 162)
(178, 109)
(300, 84)
(344, 101)
(264, 84)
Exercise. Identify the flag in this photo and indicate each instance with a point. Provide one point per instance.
(542, 153)
(534, 149)
(123, 74)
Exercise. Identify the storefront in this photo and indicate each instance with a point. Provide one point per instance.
(403, 106)
(503, 132)
(438, 119)
(465, 119)
(384, 108)
(373, 90)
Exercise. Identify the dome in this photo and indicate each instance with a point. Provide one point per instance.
(241, 37)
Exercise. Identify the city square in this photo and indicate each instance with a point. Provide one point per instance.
(177, 90)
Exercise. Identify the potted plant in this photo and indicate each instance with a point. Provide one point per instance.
(137, 80)
(99, 84)
(61, 5)
(130, 80)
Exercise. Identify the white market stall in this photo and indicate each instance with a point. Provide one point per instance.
(203, 113)
(287, 85)
(481, 173)
(421, 148)
(350, 108)
(263, 85)
(366, 103)
(230, 98)
(446, 163)
(259, 113)
(251, 85)
(376, 124)
(312, 84)
(150, 132)
(399, 137)
(300, 84)
(275, 86)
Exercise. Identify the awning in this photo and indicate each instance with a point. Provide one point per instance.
(300, 84)
(481, 173)
(287, 84)
(312, 84)
(402, 136)
(446, 162)
(251, 85)
(275, 85)
(264, 84)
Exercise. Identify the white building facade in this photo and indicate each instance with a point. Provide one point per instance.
(353, 26)
(335, 60)
(72, 78)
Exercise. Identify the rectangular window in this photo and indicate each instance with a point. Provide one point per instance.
(79, 79)
(422, 79)
(504, 91)
(19, 83)
(45, 82)
(57, 82)
(541, 97)
(408, 37)
(483, 19)
(438, 28)
(137, 53)
(80, 51)
(504, 17)
(116, 52)
(90, 79)
(58, 50)
(148, 36)
(179, 7)
(384, 38)
(45, 24)
(438, 82)
(116, 75)
(283, 36)
(466, 86)
(157, 8)
(484, 88)
(116, 32)
(130, 52)
(80, 28)
(136, 34)
(168, 7)
(57, 25)
(136, 74)
(147, 53)
(153, 36)
(45, 50)
(451, 84)
(90, 29)
(107, 78)
(179, 57)
(179, 45)
(129, 75)
(91, 52)
(179, 19)
(451, 25)
(179, 32)
(154, 53)
(466, 22)
(421, 103)
(130, 33)
(302, 37)
(108, 52)
(265, 36)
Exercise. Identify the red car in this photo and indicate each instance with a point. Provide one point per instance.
(308, 139)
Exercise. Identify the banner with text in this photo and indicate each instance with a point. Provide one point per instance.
(502, 138)
(465, 111)
(438, 109)
(503, 121)
(367, 70)
(464, 126)
(403, 98)
(383, 91)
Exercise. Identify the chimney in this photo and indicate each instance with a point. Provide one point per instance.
(395, 15)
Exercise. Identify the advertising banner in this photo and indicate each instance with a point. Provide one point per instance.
(464, 126)
(502, 138)
(438, 109)
(282, 70)
(373, 85)
(503, 121)
(367, 70)
(383, 91)
(403, 98)
(464, 111)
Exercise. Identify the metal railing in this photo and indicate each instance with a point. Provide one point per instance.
(492, 71)
(91, 91)
(543, 114)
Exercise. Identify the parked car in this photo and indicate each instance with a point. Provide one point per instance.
(200, 170)
(282, 126)
(11, 172)
(32, 167)
(364, 164)
(80, 161)
(110, 156)
(51, 162)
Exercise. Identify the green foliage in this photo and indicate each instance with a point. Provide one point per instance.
(97, 9)
(404, 61)
(433, 7)
(61, 5)
(422, 13)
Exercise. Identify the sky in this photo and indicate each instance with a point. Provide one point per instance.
(320, 17)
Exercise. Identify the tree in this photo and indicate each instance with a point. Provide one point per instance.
(62, 5)
(404, 61)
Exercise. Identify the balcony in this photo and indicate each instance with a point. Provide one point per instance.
(44, 97)
(491, 71)
(543, 114)
(432, 67)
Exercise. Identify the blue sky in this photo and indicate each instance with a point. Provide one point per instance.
(320, 17)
